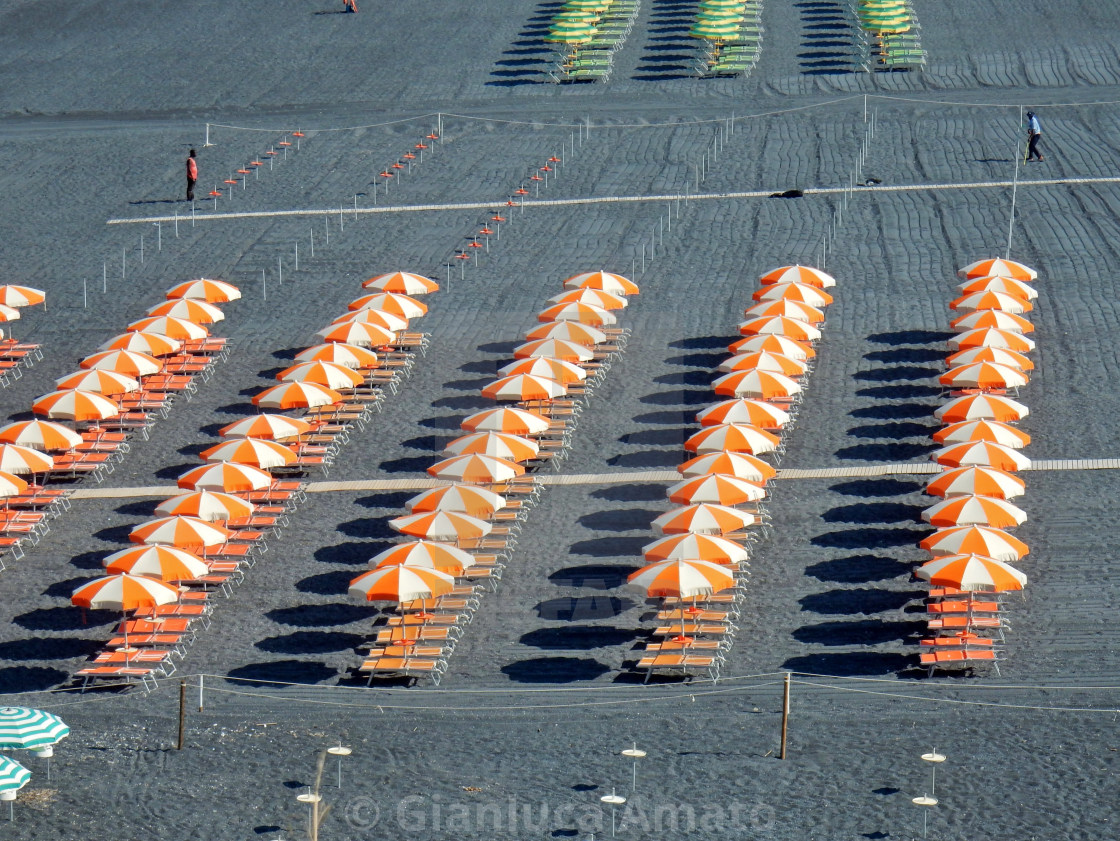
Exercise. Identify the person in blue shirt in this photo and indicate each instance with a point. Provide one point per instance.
(1034, 132)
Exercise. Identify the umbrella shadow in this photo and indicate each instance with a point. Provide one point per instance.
(17, 679)
(350, 553)
(333, 583)
(633, 492)
(592, 576)
(873, 512)
(860, 569)
(321, 615)
(577, 637)
(849, 664)
(310, 642)
(857, 601)
(582, 608)
(619, 519)
(647, 459)
(859, 632)
(864, 488)
(609, 547)
(555, 670)
(281, 671)
(869, 538)
(67, 618)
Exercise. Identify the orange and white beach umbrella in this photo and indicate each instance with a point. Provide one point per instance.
(542, 366)
(109, 383)
(733, 438)
(1001, 301)
(379, 318)
(400, 583)
(226, 477)
(391, 302)
(568, 331)
(424, 553)
(477, 469)
(500, 444)
(522, 387)
(756, 384)
(785, 307)
(992, 337)
(972, 572)
(704, 518)
(11, 485)
(206, 505)
(75, 405)
(743, 465)
(152, 344)
(267, 426)
(123, 592)
(23, 460)
(257, 452)
(681, 579)
(404, 283)
(608, 282)
(981, 407)
(467, 499)
(326, 374)
(996, 266)
(776, 325)
(1001, 356)
(130, 362)
(983, 430)
(1007, 285)
(773, 344)
(993, 319)
(168, 325)
(40, 435)
(978, 540)
(973, 510)
(983, 375)
(164, 563)
(691, 546)
(798, 274)
(580, 313)
(340, 353)
(441, 525)
(512, 420)
(357, 333)
(715, 488)
(200, 312)
(205, 289)
(763, 361)
(803, 292)
(183, 532)
(296, 396)
(983, 481)
(595, 297)
(554, 349)
(21, 296)
(981, 454)
(8, 313)
(744, 410)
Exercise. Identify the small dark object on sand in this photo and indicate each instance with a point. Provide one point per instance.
(871, 182)
(788, 194)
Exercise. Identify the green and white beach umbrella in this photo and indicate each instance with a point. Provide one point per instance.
(22, 728)
(13, 776)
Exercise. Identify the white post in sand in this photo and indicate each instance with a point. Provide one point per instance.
(925, 800)
(612, 800)
(934, 759)
(104, 276)
(634, 753)
(297, 257)
(339, 751)
(264, 285)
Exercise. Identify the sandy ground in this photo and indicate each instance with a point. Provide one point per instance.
(100, 103)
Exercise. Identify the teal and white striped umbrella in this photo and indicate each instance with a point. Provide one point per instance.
(13, 776)
(26, 729)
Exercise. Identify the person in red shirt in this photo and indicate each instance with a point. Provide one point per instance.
(192, 175)
(350, 5)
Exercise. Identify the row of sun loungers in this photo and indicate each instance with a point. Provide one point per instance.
(14, 357)
(590, 57)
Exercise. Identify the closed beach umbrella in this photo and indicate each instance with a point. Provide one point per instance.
(704, 518)
(123, 592)
(75, 405)
(554, 349)
(21, 296)
(803, 292)
(991, 301)
(994, 319)
(400, 583)
(405, 283)
(392, 302)
(595, 297)
(129, 362)
(357, 333)
(798, 274)
(511, 420)
(441, 525)
(521, 387)
(732, 437)
(267, 426)
(152, 344)
(425, 553)
(715, 488)
(109, 383)
(581, 313)
(972, 572)
(296, 396)
(978, 540)
(773, 344)
(983, 375)
(22, 728)
(744, 410)
(785, 307)
(205, 289)
(23, 460)
(322, 373)
(165, 563)
(1001, 356)
(1007, 285)
(735, 464)
(691, 546)
(340, 353)
(974, 510)
(168, 325)
(501, 444)
(983, 430)
(985, 481)
(1002, 268)
(763, 361)
(199, 312)
(468, 499)
(226, 477)
(206, 505)
(182, 532)
(41, 435)
(478, 469)
(378, 318)
(981, 453)
(257, 452)
(777, 325)
(981, 407)
(542, 366)
(608, 282)
(992, 337)
(760, 385)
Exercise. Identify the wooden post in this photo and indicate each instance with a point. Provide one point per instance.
(182, 711)
(785, 716)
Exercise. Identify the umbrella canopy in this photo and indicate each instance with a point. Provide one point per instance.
(606, 281)
(327, 374)
(732, 437)
(425, 553)
(206, 505)
(500, 444)
(704, 518)
(357, 333)
(391, 302)
(8, 313)
(41, 435)
(466, 499)
(715, 488)
(681, 579)
(182, 532)
(109, 383)
(788, 308)
(595, 297)
(441, 525)
(780, 326)
(981, 453)
(798, 274)
(1001, 301)
(984, 481)
(129, 362)
(744, 410)
(168, 325)
(255, 451)
(568, 331)
(400, 583)
(772, 343)
(554, 349)
(205, 289)
(971, 572)
(542, 366)
(23, 460)
(981, 407)
(13, 776)
(992, 337)
(974, 510)
(984, 375)
(691, 546)
(188, 309)
(226, 477)
(1000, 356)
(340, 353)
(152, 344)
(979, 540)
(11, 485)
(123, 592)
(296, 396)
(478, 469)
(75, 405)
(983, 430)
(1009, 285)
(21, 296)
(742, 465)
(991, 318)
(22, 728)
(581, 313)
(404, 283)
(379, 318)
(165, 563)
(511, 420)
(267, 426)
(757, 384)
(521, 387)
(996, 266)
(763, 361)
(803, 292)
